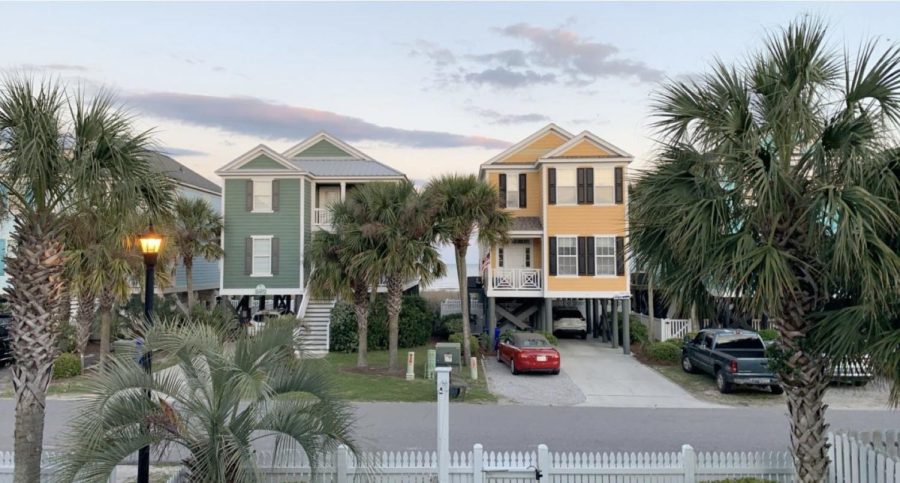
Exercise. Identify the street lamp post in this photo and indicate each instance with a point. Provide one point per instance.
(150, 242)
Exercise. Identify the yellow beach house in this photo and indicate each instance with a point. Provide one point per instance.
(569, 202)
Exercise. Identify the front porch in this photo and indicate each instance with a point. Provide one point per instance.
(324, 195)
(516, 269)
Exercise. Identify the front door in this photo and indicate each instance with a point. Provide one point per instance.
(328, 196)
(517, 254)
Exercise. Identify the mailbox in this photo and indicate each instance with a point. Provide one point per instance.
(448, 354)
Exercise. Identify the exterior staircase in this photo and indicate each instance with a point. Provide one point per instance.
(316, 332)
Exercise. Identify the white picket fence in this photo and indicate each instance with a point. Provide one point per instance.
(666, 329)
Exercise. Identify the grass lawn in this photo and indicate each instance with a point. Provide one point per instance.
(703, 387)
(378, 386)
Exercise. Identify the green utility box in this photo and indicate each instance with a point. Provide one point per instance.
(448, 354)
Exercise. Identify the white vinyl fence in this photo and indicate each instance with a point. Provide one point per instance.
(665, 329)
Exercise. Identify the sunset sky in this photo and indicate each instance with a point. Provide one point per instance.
(425, 88)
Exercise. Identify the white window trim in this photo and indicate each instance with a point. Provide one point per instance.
(513, 175)
(567, 275)
(253, 239)
(271, 182)
(614, 255)
(573, 169)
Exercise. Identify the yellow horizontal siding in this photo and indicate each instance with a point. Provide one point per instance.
(585, 220)
(531, 152)
(586, 284)
(584, 148)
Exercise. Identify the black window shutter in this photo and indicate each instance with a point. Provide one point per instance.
(591, 257)
(248, 256)
(551, 186)
(276, 195)
(552, 254)
(620, 255)
(275, 256)
(249, 191)
(619, 185)
(522, 180)
(579, 179)
(582, 253)
(589, 186)
(502, 182)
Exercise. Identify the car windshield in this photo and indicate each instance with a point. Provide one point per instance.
(534, 342)
(568, 313)
(739, 341)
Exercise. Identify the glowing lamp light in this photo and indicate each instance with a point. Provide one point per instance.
(151, 242)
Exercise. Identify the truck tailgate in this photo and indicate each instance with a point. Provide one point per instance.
(753, 366)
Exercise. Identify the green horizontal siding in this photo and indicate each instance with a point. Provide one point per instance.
(263, 162)
(322, 148)
(307, 224)
(240, 224)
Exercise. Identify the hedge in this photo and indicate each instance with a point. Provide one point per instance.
(66, 365)
(415, 325)
(662, 352)
(473, 343)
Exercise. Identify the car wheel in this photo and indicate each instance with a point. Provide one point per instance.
(687, 365)
(512, 367)
(722, 384)
(584, 336)
(776, 389)
(499, 359)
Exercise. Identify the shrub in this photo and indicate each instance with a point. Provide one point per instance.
(662, 352)
(675, 341)
(550, 338)
(638, 331)
(415, 325)
(768, 334)
(66, 365)
(448, 324)
(343, 328)
(416, 321)
(458, 338)
(65, 339)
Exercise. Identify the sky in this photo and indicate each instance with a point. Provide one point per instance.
(427, 88)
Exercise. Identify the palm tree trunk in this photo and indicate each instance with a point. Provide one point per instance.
(189, 278)
(83, 320)
(361, 309)
(35, 293)
(106, 307)
(804, 378)
(464, 298)
(394, 304)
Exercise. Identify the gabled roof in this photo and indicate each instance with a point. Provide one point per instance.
(587, 136)
(261, 150)
(549, 128)
(181, 173)
(324, 136)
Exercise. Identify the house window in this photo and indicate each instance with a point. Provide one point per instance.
(500, 257)
(512, 190)
(605, 259)
(262, 195)
(604, 186)
(527, 257)
(566, 186)
(567, 256)
(262, 256)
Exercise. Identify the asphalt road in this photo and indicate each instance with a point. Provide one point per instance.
(397, 426)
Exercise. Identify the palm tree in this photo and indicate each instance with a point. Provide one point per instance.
(194, 232)
(465, 206)
(225, 392)
(398, 228)
(330, 255)
(57, 151)
(772, 187)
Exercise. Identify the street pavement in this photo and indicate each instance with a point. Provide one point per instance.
(398, 426)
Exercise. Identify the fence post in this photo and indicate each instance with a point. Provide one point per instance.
(543, 461)
(477, 464)
(689, 462)
(340, 465)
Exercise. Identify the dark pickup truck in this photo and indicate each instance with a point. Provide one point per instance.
(733, 357)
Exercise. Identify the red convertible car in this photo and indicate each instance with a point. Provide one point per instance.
(526, 352)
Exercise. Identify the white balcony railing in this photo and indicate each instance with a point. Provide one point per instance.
(516, 279)
(322, 217)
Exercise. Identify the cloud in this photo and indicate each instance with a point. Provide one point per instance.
(507, 119)
(548, 56)
(172, 151)
(255, 117)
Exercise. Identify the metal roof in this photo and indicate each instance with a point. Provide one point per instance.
(526, 223)
(344, 167)
(181, 173)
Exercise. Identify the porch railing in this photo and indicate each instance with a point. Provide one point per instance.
(516, 279)
(322, 217)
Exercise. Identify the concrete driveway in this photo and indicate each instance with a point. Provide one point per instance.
(608, 378)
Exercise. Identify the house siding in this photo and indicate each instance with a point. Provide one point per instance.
(584, 148)
(240, 224)
(533, 191)
(307, 225)
(321, 149)
(262, 162)
(585, 220)
(536, 149)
